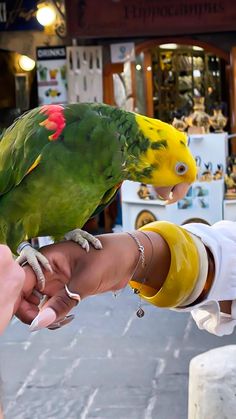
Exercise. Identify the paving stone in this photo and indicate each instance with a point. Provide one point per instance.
(106, 364)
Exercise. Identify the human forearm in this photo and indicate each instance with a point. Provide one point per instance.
(96, 272)
(176, 273)
(119, 261)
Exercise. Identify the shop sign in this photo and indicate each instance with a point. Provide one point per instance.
(16, 15)
(51, 75)
(123, 18)
(121, 53)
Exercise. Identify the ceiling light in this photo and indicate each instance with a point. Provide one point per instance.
(138, 67)
(26, 63)
(168, 46)
(196, 48)
(46, 14)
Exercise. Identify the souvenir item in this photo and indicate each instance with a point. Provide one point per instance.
(230, 178)
(219, 173)
(218, 120)
(199, 121)
(207, 176)
(179, 124)
(144, 192)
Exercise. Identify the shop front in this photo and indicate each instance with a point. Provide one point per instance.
(182, 51)
(175, 61)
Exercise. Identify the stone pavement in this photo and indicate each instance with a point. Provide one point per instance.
(107, 364)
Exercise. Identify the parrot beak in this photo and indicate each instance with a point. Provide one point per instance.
(172, 194)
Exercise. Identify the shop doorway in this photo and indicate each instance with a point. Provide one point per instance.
(169, 76)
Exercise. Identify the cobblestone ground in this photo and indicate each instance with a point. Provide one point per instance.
(106, 364)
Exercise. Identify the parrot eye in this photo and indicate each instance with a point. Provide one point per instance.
(181, 168)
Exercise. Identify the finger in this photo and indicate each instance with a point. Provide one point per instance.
(34, 299)
(27, 311)
(57, 307)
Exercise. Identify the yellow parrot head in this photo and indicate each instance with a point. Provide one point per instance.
(167, 162)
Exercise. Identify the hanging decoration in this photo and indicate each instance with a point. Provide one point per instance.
(85, 83)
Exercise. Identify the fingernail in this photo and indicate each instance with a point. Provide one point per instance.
(43, 319)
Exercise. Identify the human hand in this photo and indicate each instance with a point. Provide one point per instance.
(85, 273)
(12, 278)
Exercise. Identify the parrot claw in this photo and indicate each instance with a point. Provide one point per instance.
(83, 238)
(27, 254)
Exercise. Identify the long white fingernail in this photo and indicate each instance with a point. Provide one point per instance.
(43, 319)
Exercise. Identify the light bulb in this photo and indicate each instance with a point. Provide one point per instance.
(26, 63)
(46, 15)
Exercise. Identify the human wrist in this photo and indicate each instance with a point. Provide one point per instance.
(183, 270)
(157, 263)
(143, 248)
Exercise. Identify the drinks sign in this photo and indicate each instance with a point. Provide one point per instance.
(51, 75)
(123, 18)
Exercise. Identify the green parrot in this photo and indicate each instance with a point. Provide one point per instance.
(61, 165)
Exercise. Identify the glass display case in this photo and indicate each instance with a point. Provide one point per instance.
(178, 76)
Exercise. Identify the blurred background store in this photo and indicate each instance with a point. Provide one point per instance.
(167, 59)
(162, 58)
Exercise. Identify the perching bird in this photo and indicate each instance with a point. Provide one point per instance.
(61, 165)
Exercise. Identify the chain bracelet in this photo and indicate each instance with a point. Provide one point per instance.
(140, 248)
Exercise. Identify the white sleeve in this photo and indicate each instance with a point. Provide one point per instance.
(221, 240)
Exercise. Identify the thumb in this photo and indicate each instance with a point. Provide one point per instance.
(54, 310)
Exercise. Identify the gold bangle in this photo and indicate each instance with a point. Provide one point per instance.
(184, 266)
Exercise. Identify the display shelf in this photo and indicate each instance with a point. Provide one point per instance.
(151, 202)
(179, 76)
(204, 202)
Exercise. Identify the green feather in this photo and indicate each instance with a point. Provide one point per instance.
(76, 177)
(55, 176)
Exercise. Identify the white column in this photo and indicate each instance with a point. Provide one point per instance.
(212, 384)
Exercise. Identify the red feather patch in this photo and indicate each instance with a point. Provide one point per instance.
(55, 121)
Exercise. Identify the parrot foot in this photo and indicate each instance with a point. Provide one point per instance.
(27, 254)
(83, 238)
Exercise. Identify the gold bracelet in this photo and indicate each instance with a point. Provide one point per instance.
(184, 266)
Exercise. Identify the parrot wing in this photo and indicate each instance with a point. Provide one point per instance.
(108, 197)
(21, 148)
